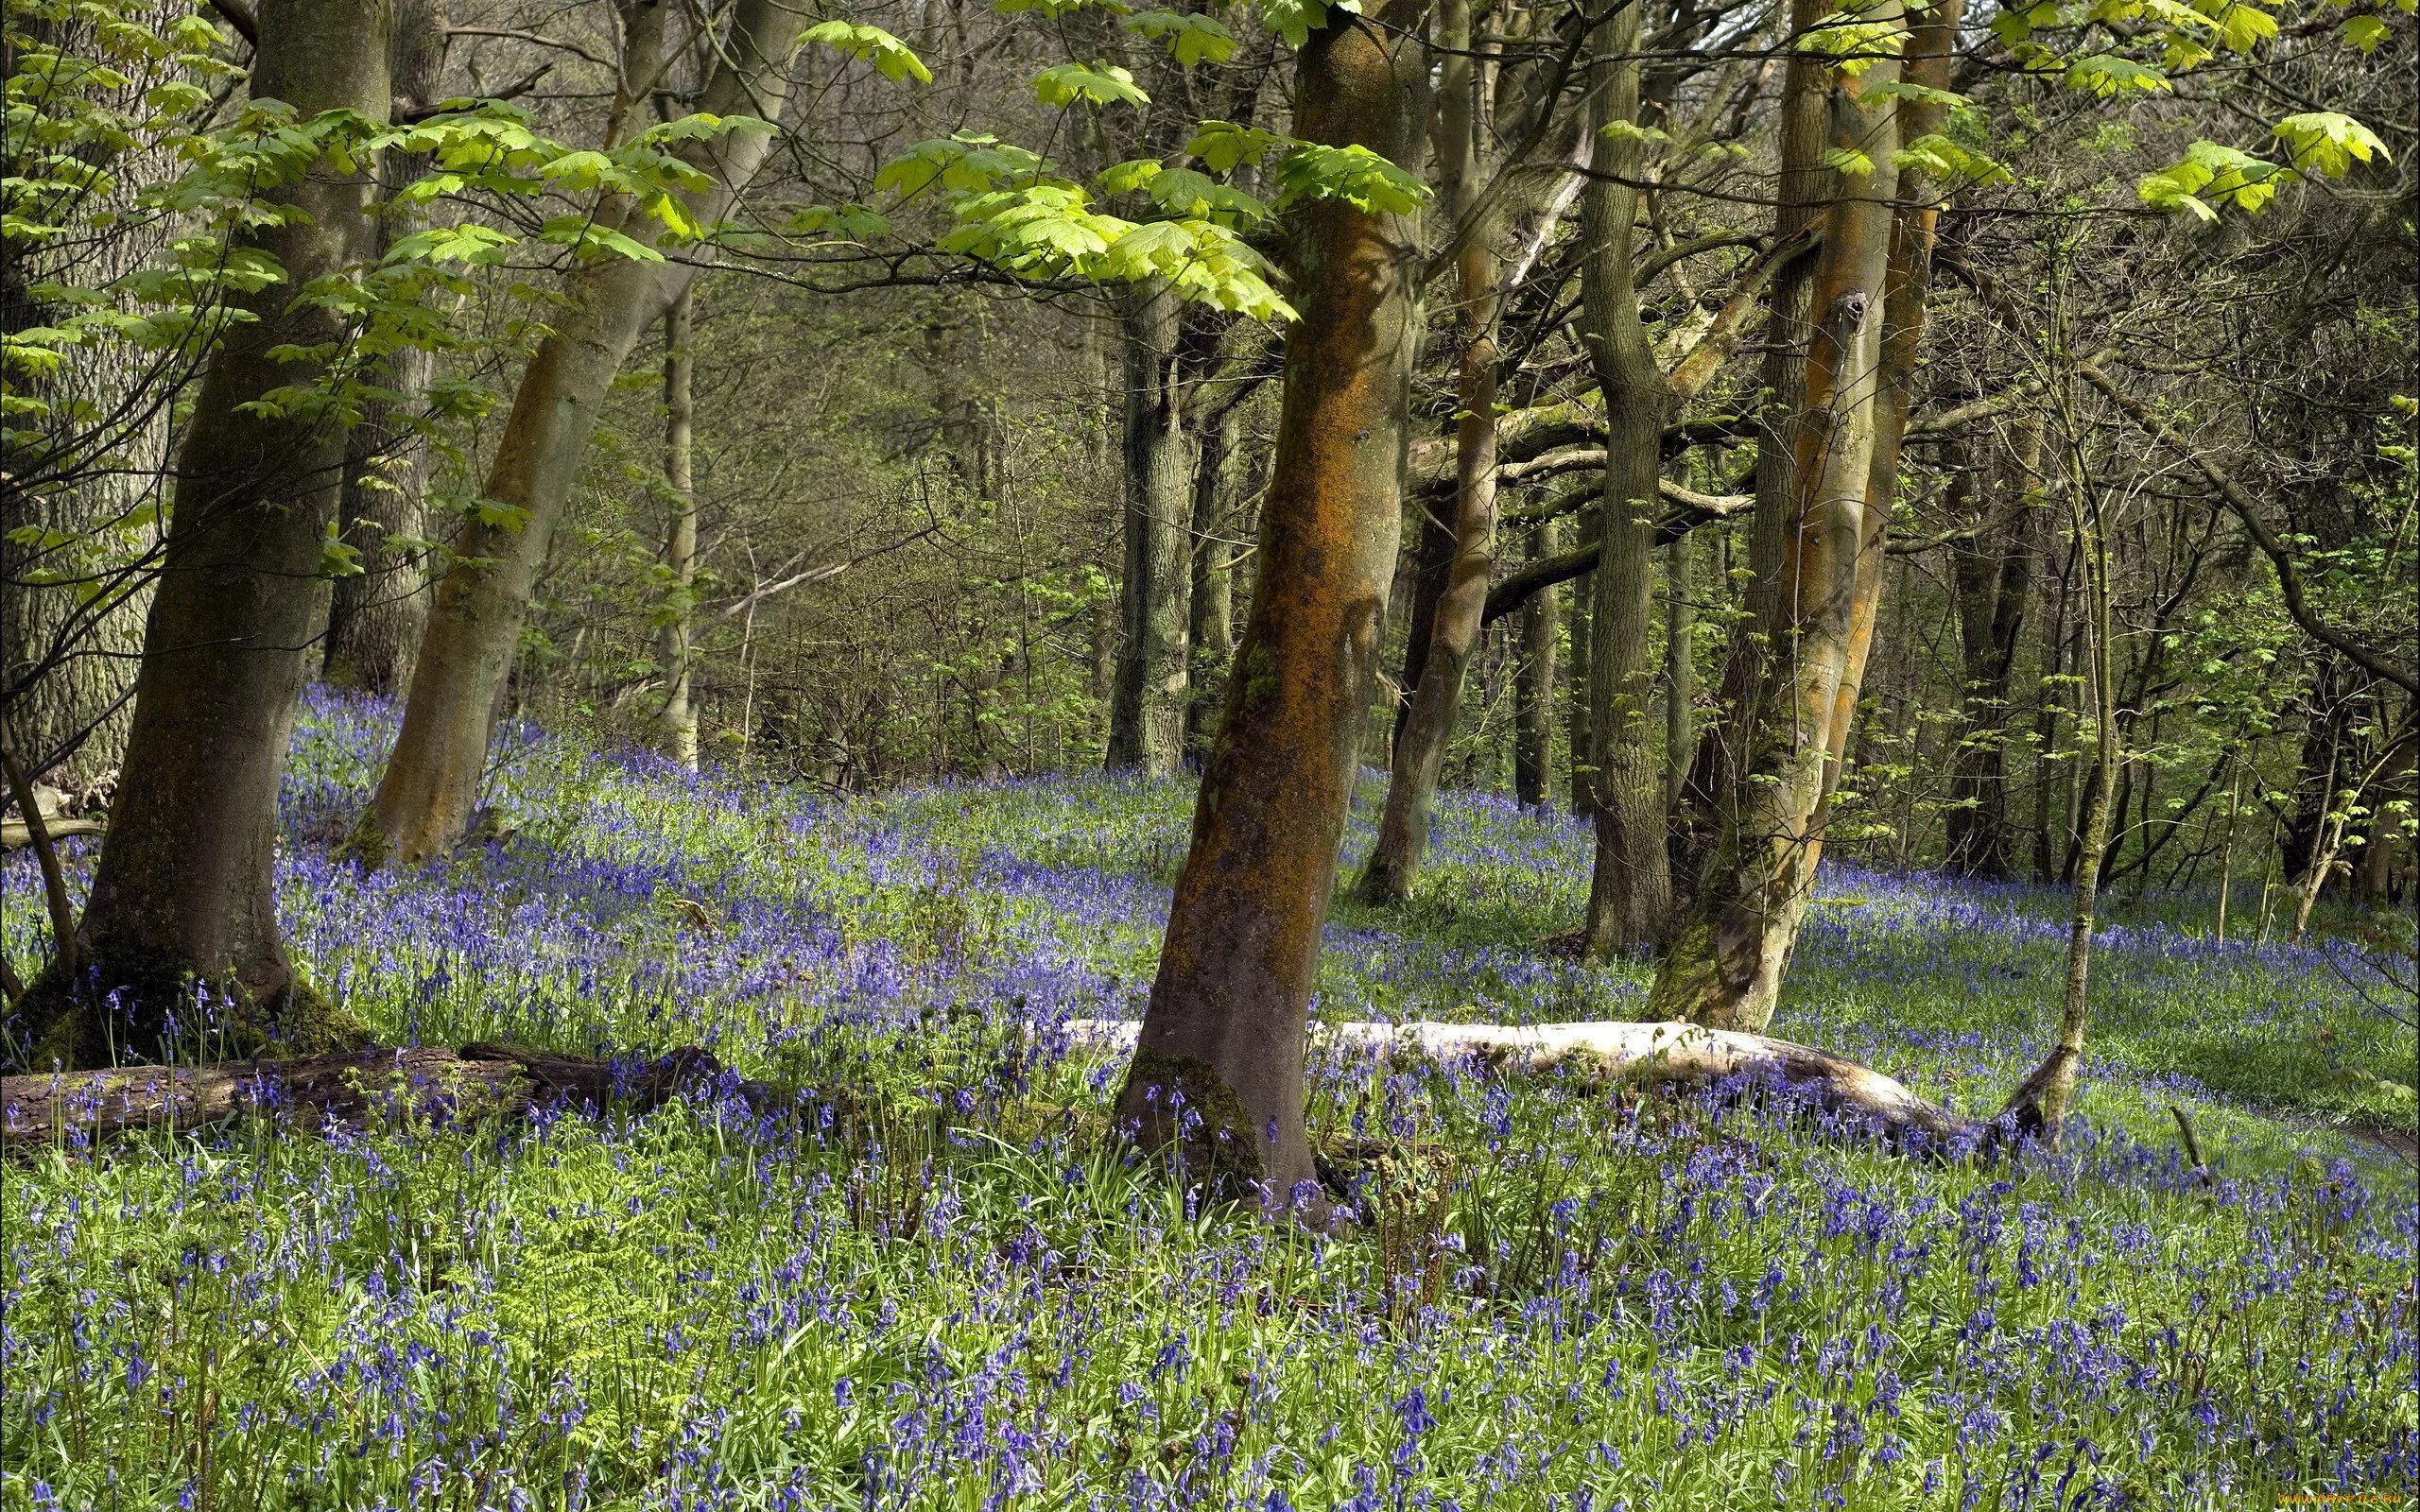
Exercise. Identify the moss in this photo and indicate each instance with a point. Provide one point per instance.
(1225, 1145)
(364, 845)
(121, 1009)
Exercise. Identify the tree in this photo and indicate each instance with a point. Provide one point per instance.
(425, 800)
(1630, 889)
(184, 891)
(1218, 1070)
(375, 615)
(1724, 967)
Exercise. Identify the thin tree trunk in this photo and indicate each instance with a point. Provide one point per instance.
(1427, 728)
(1230, 1007)
(1629, 892)
(1146, 706)
(681, 543)
(2044, 1095)
(1724, 967)
(424, 802)
(1534, 687)
(183, 890)
(1680, 667)
(375, 615)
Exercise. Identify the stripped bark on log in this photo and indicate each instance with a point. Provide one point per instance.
(355, 1090)
(1684, 1056)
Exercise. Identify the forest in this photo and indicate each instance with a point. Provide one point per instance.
(1291, 755)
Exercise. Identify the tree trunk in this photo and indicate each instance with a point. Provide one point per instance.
(72, 614)
(680, 542)
(1680, 668)
(1146, 706)
(375, 615)
(424, 802)
(184, 891)
(1428, 726)
(1725, 966)
(2042, 1098)
(1534, 690)
(1229, 1009)
(1630, 891)
(1212, 609)
(1716, 769)
(1994, 575)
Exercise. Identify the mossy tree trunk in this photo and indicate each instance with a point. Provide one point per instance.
(1534, 690)
(1469, 547)
(375, 615)
(1630, 890)
(1725, 964)
(1716, 769)
(425, 799)
(184, 891)
(679, 718)
(1211, 642)
(1224, 1039)
(1147, 701)
(1994, 577)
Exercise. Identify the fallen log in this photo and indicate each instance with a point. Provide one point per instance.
(352, 1090)
(1684, 1056)
(358, 1089)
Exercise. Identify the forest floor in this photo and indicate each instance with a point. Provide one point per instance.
(965, 1298)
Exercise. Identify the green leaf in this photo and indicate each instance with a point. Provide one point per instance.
(1352, 174)
(2212, 171)
(1222, 145)
(892, 58)
(1099, 83)
(1127, 177)
(1190, 39)
(1945, 160)
(2330, 142)
(1852, 44)
(2365, 32)
(855, 222)
(2107, 74)
(1848, 162)
(1295, 20)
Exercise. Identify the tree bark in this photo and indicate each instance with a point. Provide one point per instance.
(1630, 890)
(375, 615)
(424, 802)
(72, 615)
(1146, 705)
(1428, 726)
(183, 890)
(1223, 1038)
(1211, 648)
(2042, 1098)
(680, 542)
(1724, 967)
(1718, 767)
(1534, 690)
(1993, 574)
(1680, 668)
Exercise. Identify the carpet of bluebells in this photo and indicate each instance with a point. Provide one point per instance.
(962, 1295)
